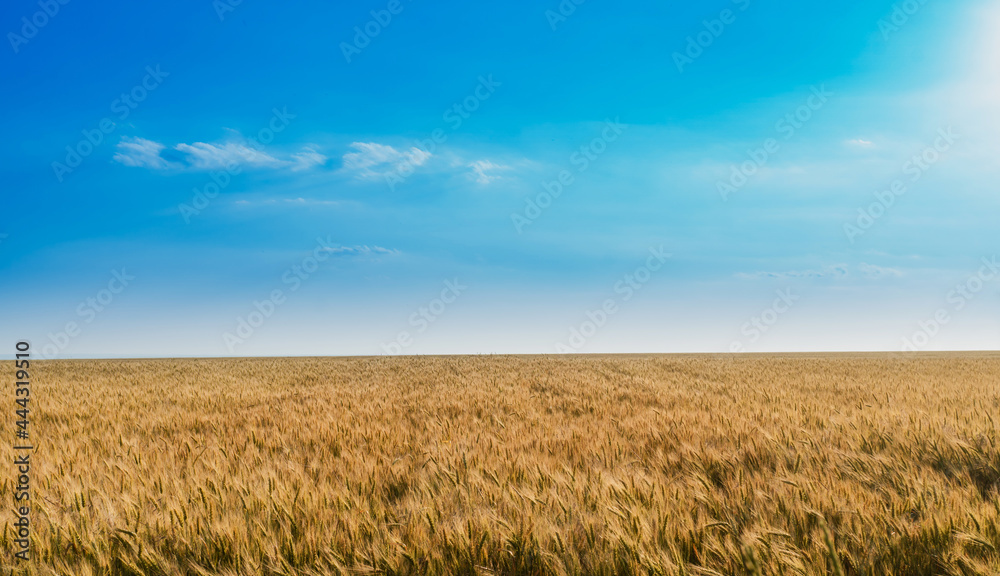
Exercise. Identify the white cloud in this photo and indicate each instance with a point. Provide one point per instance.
(831, 271)
(360, 250)
(294, 201)
(873, 271)
(861, 142)
(364, 160)
(484, 171)
(306, 159)
(372, 160)
(203, 156)
(141, 153)
(310, 202)
(869, 271)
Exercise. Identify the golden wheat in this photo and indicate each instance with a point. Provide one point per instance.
(589, 465)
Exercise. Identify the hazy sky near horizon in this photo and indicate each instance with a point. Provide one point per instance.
(315, 178)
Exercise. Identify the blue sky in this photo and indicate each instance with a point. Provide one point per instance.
(217, 178)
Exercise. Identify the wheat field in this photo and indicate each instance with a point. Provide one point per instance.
(526, 465)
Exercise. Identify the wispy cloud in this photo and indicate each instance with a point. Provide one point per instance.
(143, 153)
(831, 271)
(204, 156)
(485, 171)
(873, 271)
(361, 250)
(373, 160)
(287, 201)
(307, 158)
(861, 143)
(868, 271)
